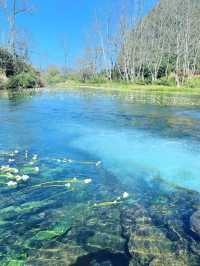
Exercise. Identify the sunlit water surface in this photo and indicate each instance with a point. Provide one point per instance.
(121, 143)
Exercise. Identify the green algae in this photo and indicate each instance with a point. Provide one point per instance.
(30, 170)
(6, 175)
(25, 208)
(45, 235)
(15, 263)
(59, 229)
(50, 234)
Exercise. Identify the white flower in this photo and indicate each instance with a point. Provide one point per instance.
(68, 185)
(19, 178)
(15, 170)
(87, 181)
(37, 169)
(12, 184)
(16, 151)
(26, 154)
(11, 160)
(25, 177)
(125, 195)
(67, 161)
(35, 157)
(98, 163)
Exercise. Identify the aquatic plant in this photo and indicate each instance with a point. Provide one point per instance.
(30, 170)
(12, 184)
(125, 195)
(68, 185)
(87, 181)
(63, 183)
(106, 203)
(7, 175)
(119, 199)
(45, 235)
(8, 169)
(35, 157)
(70, 161)
(19, 178)
(11, 160)
(52, 214)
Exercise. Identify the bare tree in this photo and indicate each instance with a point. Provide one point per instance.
(169, 34)
(14, 9)
(65, 50)
(141, 46)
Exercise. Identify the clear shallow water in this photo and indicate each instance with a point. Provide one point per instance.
(130, 139)
(148, 146)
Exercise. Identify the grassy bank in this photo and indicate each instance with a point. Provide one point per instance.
(116, 85)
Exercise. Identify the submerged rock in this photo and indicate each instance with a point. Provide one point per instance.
(195, 222)
(169, 261)
(150, 243)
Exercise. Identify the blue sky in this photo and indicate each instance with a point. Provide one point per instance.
(54, 20)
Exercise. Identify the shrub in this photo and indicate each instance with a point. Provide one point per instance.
(24, 80)
(143, 82)
(2, 85)
(3, 79)
(15, 72)
(54, 79)
(166, 81)
(12, 64)
(7, 62)
(193, 82)
(53, 75)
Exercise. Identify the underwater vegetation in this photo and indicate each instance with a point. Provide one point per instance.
(63, 211)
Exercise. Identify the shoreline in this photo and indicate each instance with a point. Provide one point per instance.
(114, 86)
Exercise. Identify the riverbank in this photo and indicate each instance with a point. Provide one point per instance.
(122, 86)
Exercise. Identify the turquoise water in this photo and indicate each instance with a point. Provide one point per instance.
(98, 163)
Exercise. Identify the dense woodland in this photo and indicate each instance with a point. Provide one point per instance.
(161, 46)
(164, 42)
(127, 43)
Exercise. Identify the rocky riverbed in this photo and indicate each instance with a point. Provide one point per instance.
(51, 213)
